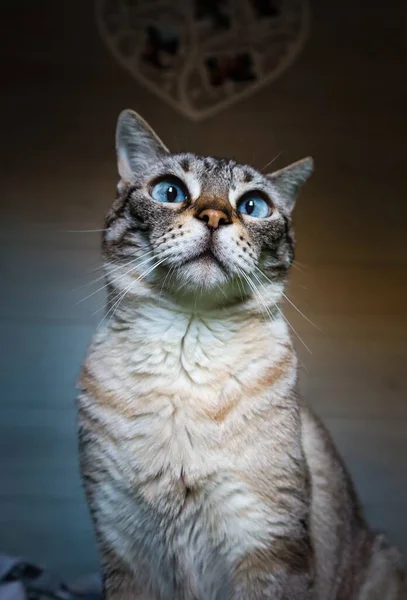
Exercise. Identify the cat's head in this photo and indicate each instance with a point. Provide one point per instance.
(183, 225)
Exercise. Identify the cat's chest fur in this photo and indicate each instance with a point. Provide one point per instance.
(173, 388)
(175, 379)
(179, 408)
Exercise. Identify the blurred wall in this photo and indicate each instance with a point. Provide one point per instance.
(344, 102)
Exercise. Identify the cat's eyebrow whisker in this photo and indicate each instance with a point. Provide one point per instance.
(270, 162)
(289, 300)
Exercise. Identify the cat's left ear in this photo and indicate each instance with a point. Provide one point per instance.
(136, 145)
(289, 180)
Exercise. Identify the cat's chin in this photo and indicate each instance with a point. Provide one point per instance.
(203, 272)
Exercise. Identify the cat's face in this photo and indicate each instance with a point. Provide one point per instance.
(186, 224)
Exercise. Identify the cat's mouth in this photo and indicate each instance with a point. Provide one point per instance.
(206, 257)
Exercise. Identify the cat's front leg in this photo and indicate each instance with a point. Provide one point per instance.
(284, 571)
(118, 581)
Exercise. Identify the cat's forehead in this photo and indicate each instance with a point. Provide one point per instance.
(220, 173)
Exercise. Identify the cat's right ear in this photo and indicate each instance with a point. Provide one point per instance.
(290, 179)
(136, 144)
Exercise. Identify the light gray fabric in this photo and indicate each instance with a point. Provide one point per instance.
(20, 580)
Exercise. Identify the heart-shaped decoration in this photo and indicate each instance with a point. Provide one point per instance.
(200, 56)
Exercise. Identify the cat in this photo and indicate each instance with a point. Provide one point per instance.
(206, 475)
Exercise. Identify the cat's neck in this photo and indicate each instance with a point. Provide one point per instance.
(211, 357)
(160, 336)
(150, 317)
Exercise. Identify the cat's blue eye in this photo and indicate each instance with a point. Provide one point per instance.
(254, 206)
(168, 190)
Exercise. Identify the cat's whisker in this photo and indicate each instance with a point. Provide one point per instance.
(239, 286)
(90, 271)
(260, 283)
(183, 286)
(301, 313)
(103, 287)
(120, 297)
(118, 261)
(301, 267)
(304, 266)
(256, 294)
(262, 300)
(126, 291)
(146, 272)
(295, 332)
(127, 259)
(221, 291)
(173, 277)
(103, 266)
(292, 328)
(289, 300)
(196, 300)
(170, 272)
(103, 306)
(83, 230)
(99, 308)
(285, 318)
(117, 265)
(89, 283)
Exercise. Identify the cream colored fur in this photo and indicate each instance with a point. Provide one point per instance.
(179, 370)
(206, 476)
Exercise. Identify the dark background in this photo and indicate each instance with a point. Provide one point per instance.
(343, 101)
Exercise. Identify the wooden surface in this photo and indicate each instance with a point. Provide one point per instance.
(344, 102)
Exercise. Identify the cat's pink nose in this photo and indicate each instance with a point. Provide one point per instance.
(214, 218)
